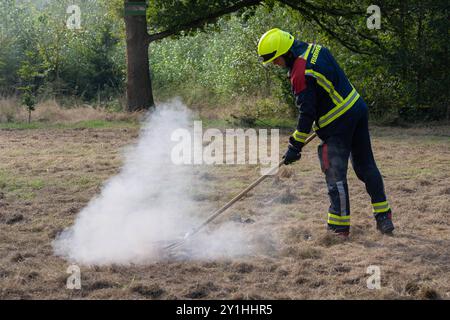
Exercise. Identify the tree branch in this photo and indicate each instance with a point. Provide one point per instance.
(200, 21)
(311, 15)
(329, 10)
(362, 35)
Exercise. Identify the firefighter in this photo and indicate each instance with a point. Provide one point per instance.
(330, 105)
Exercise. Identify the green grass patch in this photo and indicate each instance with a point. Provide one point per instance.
(22, 126)
(26, 195)
(272, 123)
(276, 123)
(27, 188)
(100, 124)
(88, 124)
(215, 123)
(411, 172)
(95, 124)
(22, 187)
(86, 181)
(36, 184)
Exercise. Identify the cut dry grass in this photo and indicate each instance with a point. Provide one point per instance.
(48, 176)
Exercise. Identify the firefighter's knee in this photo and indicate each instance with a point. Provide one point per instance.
(360, 172)
(366, 173)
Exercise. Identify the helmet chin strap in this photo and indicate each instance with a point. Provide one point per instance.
(289, 59)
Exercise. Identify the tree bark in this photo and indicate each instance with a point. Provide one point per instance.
(139, 86)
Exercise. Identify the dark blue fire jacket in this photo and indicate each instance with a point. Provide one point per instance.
(324, 96)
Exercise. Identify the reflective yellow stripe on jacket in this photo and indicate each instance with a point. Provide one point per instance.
(300, 136)
(340, 109)
(341, 104)
(305, 55)
(326, 84)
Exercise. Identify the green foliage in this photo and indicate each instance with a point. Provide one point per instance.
(223, 58)
(164, 14)
(41, 51)
(402, 67)
(400, 70)
(28, 100)
(99, 70)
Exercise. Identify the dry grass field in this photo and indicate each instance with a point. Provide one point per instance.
(48, 175)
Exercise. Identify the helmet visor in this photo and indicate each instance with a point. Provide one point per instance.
(267, 57)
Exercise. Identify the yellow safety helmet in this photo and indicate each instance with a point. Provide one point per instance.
(273, 44)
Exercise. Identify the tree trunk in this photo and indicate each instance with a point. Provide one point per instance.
(139, 87)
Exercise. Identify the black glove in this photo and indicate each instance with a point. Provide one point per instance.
(293, 152)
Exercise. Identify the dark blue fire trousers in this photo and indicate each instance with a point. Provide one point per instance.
(348, 137)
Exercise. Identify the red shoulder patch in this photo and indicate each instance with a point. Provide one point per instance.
(298, 81)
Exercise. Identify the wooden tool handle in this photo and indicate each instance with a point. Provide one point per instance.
(245, 191)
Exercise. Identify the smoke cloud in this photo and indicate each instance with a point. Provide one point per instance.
(148, 204)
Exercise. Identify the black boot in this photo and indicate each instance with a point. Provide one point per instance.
(384, 223)
(343, 232)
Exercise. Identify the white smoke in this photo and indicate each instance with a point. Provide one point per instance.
(148, 204)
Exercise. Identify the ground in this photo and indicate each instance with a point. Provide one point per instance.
(48, 174)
